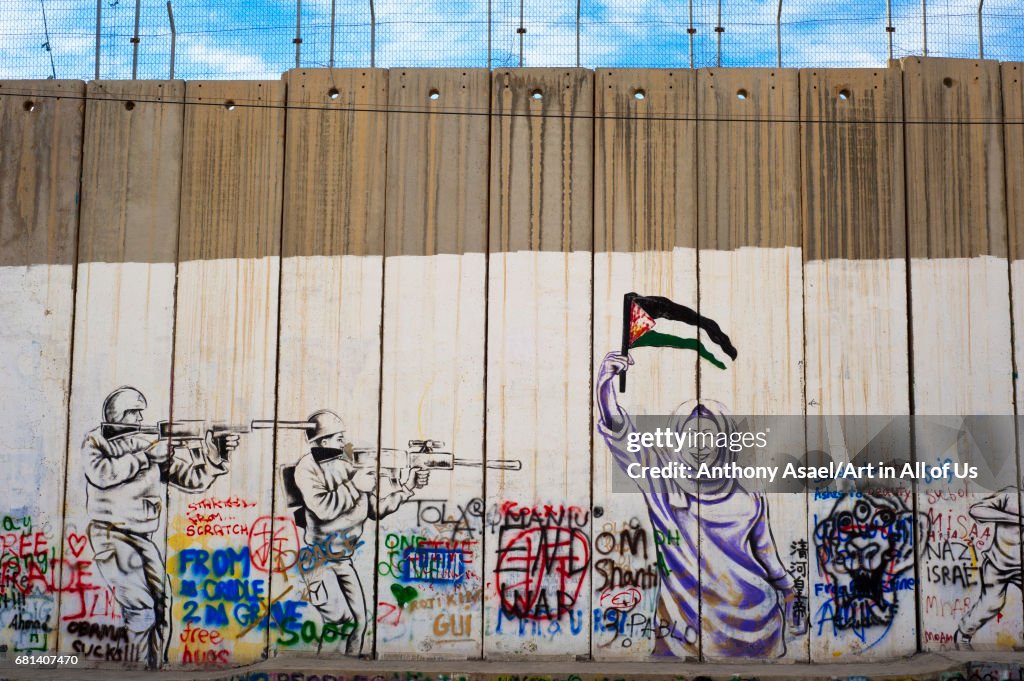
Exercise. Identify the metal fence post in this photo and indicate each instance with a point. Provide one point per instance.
(49, 48)
(778, 34)
(135, 43)
(522, 32)
(981, 34)
(578, 33)
(889, 28)
(719, 30)
(924, 26)
(334, 6)
(174, 35)
(373, 36)
(298, 31)
(489, 34)
(690, 32)
(99, 9)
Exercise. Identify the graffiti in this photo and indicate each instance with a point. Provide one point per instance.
(627, 599)
(404, 594)
(864, 546)
(952, 564)
(396, 546)
(629, 542)
(199, 644)
(26, 559)
(214, 503)
(957, 527)
(436, 513)
(453, 626)
(543, 556)
(273, 538)
(101, 640)
(217, 587)
(392, 614)
(615, 576)
(630, 627)
(447, 600)
(1000, 563)
(748, 595)
(332, 492)
(437, 561)
(309, 633)
(337, 546)
(541, 628)
(798, 552)
(128, 467)
(435, 564)
(31, 623)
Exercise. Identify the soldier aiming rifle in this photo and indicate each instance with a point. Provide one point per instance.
(128, 466)
(334, 490)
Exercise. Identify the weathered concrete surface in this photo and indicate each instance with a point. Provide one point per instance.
(446, 254)
(953, 666)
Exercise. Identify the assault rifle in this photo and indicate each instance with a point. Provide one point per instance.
(190, 434)
(424, 454)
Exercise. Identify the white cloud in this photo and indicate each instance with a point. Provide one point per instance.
(233, 39)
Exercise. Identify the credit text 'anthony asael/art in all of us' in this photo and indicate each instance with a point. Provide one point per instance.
(670, 439)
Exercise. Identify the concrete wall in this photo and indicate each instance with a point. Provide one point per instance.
(443, 254)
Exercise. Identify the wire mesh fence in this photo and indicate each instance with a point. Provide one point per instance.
(85, 39)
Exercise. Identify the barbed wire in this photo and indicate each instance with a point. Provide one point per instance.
(85, 39)
(649, 116)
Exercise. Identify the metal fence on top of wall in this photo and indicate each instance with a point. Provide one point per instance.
(192, 39)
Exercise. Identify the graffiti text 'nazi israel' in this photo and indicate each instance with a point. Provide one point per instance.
(543, 556)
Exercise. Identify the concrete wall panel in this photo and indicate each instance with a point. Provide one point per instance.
(329, 348)
(124, 322)
(538, 601)
(855, 293)
(960, 333)
(430, 549)
(40, 165)
(749, 240)
(644, 242)
(225, 352)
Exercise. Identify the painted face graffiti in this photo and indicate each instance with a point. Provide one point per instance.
(864, 546)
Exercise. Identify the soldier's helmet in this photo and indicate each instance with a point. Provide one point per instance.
(121, 401)
(324, 423)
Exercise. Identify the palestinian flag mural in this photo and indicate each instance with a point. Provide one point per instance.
(656, 322)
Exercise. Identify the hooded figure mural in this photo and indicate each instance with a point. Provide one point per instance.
(746, 594)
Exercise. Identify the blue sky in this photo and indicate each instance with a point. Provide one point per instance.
(250, 39)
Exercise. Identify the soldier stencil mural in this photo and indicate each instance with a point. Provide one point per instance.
(746, 596)
(1000, 564)
(334, 485)
(332, 491)
(127, 469)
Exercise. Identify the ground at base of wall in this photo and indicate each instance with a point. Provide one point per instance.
(923, 667)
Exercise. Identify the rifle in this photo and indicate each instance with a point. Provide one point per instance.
(424, 454)
(190, 434)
